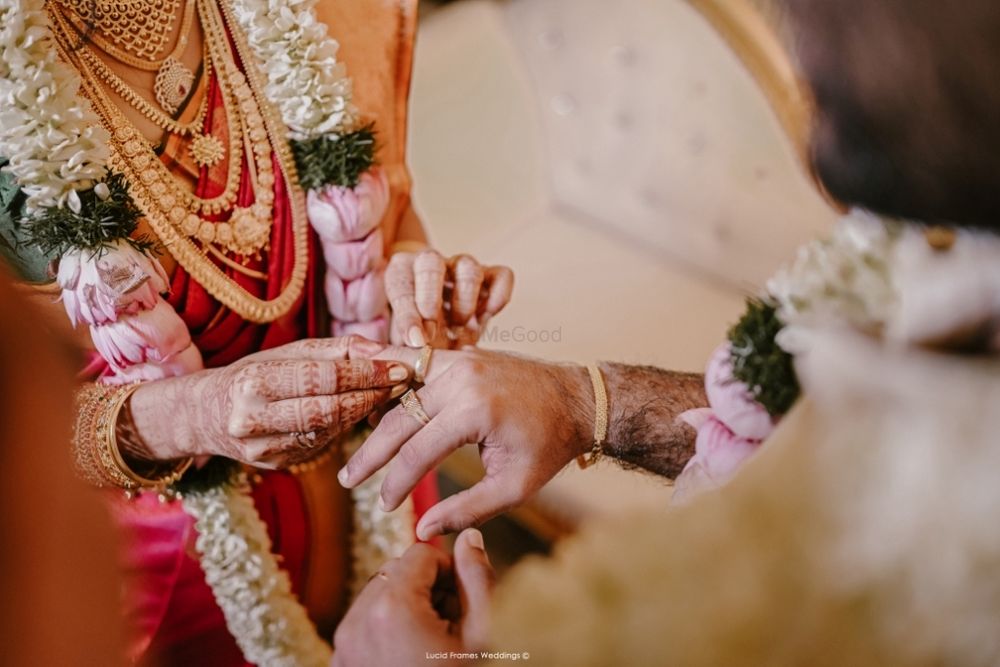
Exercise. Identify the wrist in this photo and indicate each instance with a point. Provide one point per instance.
(579, 408)
(155, 422)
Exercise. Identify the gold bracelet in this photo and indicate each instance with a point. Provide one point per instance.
(95, 443)
(600, 418)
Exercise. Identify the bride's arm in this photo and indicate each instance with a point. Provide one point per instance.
(530, 418)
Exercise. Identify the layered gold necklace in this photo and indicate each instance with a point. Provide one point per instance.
(134, 32)
(173, 211)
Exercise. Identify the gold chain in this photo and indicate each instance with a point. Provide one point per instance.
(139, 26)
(161, 198)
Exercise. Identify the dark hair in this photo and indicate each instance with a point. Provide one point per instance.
(908, 104)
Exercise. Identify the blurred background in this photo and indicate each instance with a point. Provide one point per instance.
(638, 163)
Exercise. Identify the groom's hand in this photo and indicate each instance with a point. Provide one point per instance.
(530, 418)
(420, 605)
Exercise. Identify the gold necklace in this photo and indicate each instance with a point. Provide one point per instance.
(160, 197)
(173, 81)
(138, 26)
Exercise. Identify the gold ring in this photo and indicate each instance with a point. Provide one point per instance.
(423, 363)
(411, 404)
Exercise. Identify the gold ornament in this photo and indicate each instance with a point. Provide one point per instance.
(173, 85)
(137, 26)
(207, 150)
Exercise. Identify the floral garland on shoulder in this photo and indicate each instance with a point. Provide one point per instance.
(73, 209)
(883, 277)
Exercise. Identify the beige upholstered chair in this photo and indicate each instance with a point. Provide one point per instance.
(630, 166)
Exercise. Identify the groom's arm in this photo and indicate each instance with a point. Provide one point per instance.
(643, 405)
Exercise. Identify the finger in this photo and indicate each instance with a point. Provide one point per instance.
(280, 380)
(422, 453)
(471, 507)
(441, 360)
(498, 285)
(419, 568)
(428, 279)
(407, 325)
(396, 427)
(321, 349)
(467, 275)
(313, 413)
(476, 579)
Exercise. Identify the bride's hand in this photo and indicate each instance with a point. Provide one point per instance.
(445, 303)
(529, 417)
(270, 409)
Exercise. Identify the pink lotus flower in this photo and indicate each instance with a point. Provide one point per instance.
(186, 361)
(729, 431)
(360, 300)
(99, 287)
(731, 400)
(154, 335)
(341, 214)
(377, 329)
(351, 260)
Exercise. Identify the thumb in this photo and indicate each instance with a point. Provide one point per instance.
(476, 578)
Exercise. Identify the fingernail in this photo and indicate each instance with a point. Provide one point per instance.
(398, 390)
(426, 533)
(382, 504)
(343, 476)
(398, 372)
(475, 539)
(416, 337)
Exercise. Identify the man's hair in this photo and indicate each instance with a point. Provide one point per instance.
(908, 104)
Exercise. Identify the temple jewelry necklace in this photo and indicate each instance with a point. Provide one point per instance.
(137, 26)
(162, 198)
(173, 79)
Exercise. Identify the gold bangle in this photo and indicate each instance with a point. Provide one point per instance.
(95, 443)
(600, 418)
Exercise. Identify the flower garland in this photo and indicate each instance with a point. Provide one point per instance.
(57, 152)
(750, 382)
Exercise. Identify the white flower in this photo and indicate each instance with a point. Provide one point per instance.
(845, 278)
(310, 88)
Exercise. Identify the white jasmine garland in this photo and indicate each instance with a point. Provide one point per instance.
(54, 142)
(304, 80)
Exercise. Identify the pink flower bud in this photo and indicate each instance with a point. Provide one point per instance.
(731, 400)
(352, 259)
(341, 214)
(360, 300)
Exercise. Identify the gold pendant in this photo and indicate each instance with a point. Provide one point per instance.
(172, 85)
(207, 150)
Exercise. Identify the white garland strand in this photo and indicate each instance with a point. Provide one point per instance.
(254, 593)
(52, 138)
(304, 80)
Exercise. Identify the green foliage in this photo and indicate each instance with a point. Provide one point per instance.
(334, 161)
(759, 362)
(99, 223)
(26, 261)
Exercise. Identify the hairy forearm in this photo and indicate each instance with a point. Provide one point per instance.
(643, 405)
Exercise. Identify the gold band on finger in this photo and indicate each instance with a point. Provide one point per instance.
(411, 404)
(423, 363)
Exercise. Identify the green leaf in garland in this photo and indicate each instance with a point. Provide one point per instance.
(758, 360)
(26, 261)
(101, 222)
(334, 161)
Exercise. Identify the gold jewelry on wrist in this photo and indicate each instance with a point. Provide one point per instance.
(98, 459)
(423, 364)
(411, 404)
(600, 418)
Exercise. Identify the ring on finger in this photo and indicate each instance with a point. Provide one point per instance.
(423, 364)
(413, 407)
